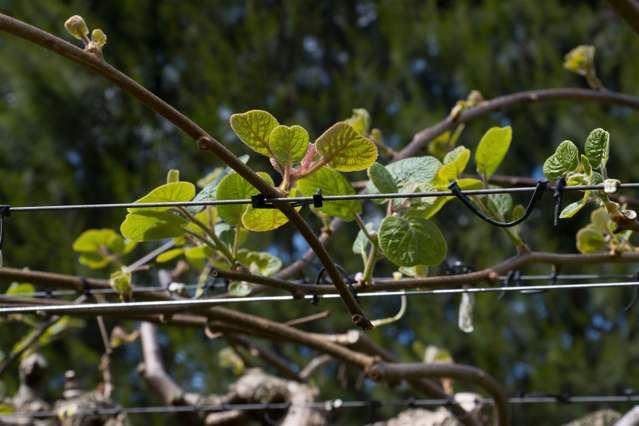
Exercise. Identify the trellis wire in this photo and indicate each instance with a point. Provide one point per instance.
(188, 287)
(336, 404)
(203, 303)
(434, 194)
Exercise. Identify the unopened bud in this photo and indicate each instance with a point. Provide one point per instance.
(98, 38)
(76, 26)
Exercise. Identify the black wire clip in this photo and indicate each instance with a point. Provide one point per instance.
(560, 184)
(5, 211)
(539, 191)
(349, 281)
(259, 201)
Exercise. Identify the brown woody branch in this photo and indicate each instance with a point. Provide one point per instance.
(204, 140)
(421, 139)
(628, 10)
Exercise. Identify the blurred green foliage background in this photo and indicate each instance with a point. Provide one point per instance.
(67, 136)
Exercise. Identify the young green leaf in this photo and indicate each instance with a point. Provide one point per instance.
(263, 220)
(564, 160)
(288, 144)
(254, 129)
(331, 182)
(152, 225)
(209, 184)
(412, 241)
(382, 178)
(266, 263)
(454, 164)
(573, 208)
(15, 289)
(597, 148)
(492, 149)
(121, 282)
(590, 240)
(344, 149)
(169, 192)
(94, 240)
(173, 176)
(235, 187)
(169, 255)
(360, 121)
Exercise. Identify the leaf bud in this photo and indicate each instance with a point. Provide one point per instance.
(76, 26)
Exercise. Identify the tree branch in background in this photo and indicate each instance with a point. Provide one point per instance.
(421, 139)
(628, 10)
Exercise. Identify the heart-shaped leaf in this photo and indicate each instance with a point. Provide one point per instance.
(254, 129)
(288, 144)
(412, 241)
(344, 149)
(564, 160)
(152, 225)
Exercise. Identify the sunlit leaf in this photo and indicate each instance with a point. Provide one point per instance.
(288, 144)
(492, 149)
(235, 187)
(254, 129)
(597, 148)
(266, 262)
(360, 121)
(170, 192)
(152, 225)
(344, 149)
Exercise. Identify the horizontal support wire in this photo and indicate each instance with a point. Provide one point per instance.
(188, 287)
(178, 305)
(307, 200)
(336, 404)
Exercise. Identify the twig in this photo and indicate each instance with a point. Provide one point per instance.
(421, 139)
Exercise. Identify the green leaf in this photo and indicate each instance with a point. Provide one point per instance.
(344, 149)
(235, 187)
(288, 144)
(210, 182)
(6, 408)
(414, 169)
(501, 203)
(169, 255)
(121, 282)
(94, 240)
(254, 129)
(590, 240)
(94, 260)
(152, 225)
(382, 179)
(564, 160)
(492, 149)
(16, 289)
(573, 208)
(580, 59)
(197, 256)
(454, 164)
(439, 146)
(412, 241)
(360, 121)
(427, 211)
(265, 262)
(360, 245)
(263, 220)
(331, 182)
(170, 192)
(599, 219)
(239, 288)
(597, 148)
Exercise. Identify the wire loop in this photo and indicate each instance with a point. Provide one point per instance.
(539, 190)
(558, 196)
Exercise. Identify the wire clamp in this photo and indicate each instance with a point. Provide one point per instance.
(558, 196)
(539, 191)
